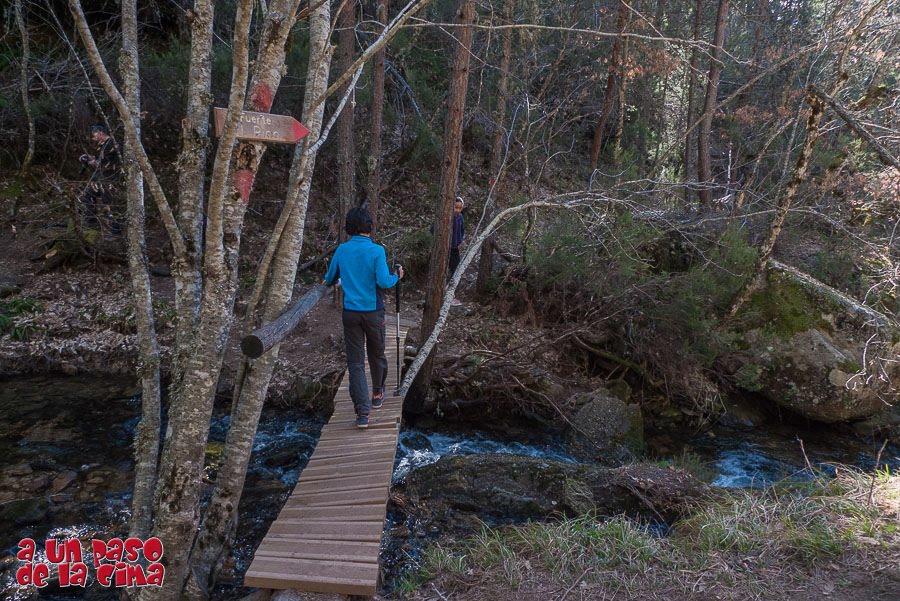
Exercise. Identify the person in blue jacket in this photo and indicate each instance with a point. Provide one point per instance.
(362, 267)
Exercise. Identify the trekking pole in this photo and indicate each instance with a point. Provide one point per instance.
(397, 298)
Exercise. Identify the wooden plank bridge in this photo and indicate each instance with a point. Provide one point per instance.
(328, 535)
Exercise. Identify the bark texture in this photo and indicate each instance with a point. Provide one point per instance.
(146, 447)
(191, 183)
(178, 490)
(784, 204)
(216, 531)
(437, 268)
(373, 186)
(883, 153)
(346, 150)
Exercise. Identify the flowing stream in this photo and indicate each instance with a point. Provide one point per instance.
(65, 471)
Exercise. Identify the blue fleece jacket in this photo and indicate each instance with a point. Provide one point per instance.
(362, 266)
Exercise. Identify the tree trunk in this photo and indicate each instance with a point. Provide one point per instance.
(486, 259)
(440, 250)
(146, 447)
(608, 99)
(181, 464)
(781, 211)
(23, 84)
(704, 174)
(191, 177)
(346, 155)
(375, 162)
(620, 111)
(250, 388)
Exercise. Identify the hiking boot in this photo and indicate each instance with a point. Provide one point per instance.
(378, 399)
(456, 303)
(362, 422)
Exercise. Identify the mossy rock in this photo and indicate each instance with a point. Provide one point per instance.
(807, 350)
(515, 487)
(606, 429)
(784, 308)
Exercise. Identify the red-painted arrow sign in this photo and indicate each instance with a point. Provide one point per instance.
(263, 127)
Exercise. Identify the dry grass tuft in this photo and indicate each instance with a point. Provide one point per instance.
(835, 538)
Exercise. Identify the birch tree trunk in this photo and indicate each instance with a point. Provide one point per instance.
(23, 85)
(440, 250)
(709, 108)
(178, 490)
(614, 62)
(146, 446)
(375, 160)
(191, 177)
(486, 259)
(216, 530)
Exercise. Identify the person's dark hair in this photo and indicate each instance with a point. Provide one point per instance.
(101, 128)
(358, 221)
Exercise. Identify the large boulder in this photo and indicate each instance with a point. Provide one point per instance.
(815, 351)
(606, 429)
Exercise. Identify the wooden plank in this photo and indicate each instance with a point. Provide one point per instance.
(377, 439)
(349, 434)
(336, 459)
(368, 497)
(344, 438)
(364, 455)
(376, 426)
(349, 551)
(365, 513)
(382, 456)
(379, 481)
(371, 448)
(303, 530)
(335, 466)
(375, 477)
(346, 472)
(313, 576)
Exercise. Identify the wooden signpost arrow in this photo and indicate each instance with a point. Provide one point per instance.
(263, 127)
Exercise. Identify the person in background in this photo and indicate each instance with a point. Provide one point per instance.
(456, 237)
(362, 267)
(104, 182)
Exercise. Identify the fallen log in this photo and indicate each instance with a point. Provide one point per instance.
(259, 342)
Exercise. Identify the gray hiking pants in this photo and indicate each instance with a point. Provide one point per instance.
(364, 335)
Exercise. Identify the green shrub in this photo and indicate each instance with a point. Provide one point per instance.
(14, 317)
